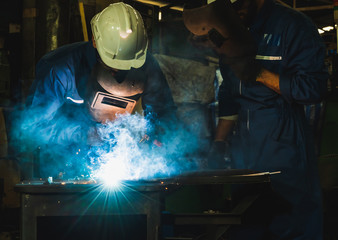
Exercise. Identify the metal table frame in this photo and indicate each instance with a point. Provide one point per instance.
(40, 199)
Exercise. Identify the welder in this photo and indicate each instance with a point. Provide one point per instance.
(272, 63)
(84, 83)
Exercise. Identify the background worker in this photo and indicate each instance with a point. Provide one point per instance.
(269, 73)
(85, 83)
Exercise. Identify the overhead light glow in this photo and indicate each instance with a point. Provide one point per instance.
(159, 15)
(177, 8)
(320, 31)
(328, 28)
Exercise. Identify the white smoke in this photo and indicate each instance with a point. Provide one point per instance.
(123, 156)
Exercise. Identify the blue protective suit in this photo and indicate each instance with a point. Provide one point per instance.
(59, 90)
(272, 133)
(57, 117)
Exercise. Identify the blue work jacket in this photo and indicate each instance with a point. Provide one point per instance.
(57, 107)
(272, 133)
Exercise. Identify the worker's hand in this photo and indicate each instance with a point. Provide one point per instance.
(146, 139)
(269, 79)
(218, 157)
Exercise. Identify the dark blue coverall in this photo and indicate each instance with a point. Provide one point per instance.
(272, 133)
(56, 112)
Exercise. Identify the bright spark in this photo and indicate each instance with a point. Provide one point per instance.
(123, 156)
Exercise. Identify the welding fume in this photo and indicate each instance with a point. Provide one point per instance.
(80, 118)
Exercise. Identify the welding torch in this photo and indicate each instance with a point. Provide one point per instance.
(146, 139)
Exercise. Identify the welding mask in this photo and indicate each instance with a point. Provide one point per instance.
(219, 23)
(219, 26)
(110, 92)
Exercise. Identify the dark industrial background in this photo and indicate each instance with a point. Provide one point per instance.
(31, 28)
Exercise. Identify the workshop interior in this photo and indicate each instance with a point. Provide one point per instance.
(166, 197)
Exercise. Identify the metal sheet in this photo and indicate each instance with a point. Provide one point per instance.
(228, 176)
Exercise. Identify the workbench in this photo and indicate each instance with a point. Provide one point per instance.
(47, 207)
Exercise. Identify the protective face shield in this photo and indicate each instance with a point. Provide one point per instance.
(236, 4)
(211, 1)
(110, 93)
(120, 36)
(219, 26)
(218, 23)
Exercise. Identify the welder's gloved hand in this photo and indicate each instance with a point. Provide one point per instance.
(218, 157)
(146, 139)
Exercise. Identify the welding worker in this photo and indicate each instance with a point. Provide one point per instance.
(84, 83)
(271, 59)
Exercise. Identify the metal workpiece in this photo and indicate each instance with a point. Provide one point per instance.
(227, 176)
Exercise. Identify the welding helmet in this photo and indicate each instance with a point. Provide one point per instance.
(211, 1)
(236, 4)
(110, 93)
(216, 14)
(120, 36)
(219, 23)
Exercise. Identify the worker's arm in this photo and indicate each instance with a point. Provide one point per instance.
(303, 75)
(42, 120)
(227, 111)
(224, 127)
(48, 90)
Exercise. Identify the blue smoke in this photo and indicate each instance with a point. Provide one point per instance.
(72, 146)
(122, 155)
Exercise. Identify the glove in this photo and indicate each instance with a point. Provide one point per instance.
(146, 139)
(218, 156)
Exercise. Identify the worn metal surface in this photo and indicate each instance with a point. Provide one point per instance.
(190, 81)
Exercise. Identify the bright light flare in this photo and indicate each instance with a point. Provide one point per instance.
(328, 28)
(124, 156)
(126, 33)
(321, 31)
(111, 173)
